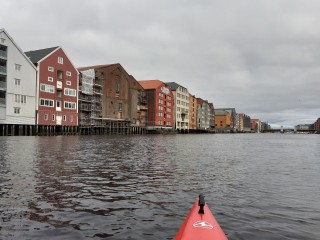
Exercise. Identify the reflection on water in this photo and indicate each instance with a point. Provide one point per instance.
(259, 186)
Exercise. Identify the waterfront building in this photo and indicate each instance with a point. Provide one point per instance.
(265, 126)
(301, 127)
(160, 105)
(193, 108)
(211, 116)
(243, 123)
(17, 89)
(255, 125)
(57, 90)
(123, 103)
(181, 107)
(317, 125)
(233, 120)
(203, 116)
(90, 102)
(222, 119)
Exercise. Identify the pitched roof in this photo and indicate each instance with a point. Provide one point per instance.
(97, 66)
(36, 55)
(174, 86)
(220, 112)
(150, 84)
(16, 45)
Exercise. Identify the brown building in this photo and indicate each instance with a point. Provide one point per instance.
(192, 112)
(123, 103)
(211, 123)
(317, 125)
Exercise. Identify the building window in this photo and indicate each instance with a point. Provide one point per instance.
(17, 81)
(47, 88)
(51, 69)
(64, 118)
(68, 83)
(70, 105)
(23, 99)
(53, 117)
(3, 40)
(60, 74)
(60, 60)
(45, 117)
(46, 102)
(18, 67)
(16, 110)
(120, 106)
(50, 79)
(117, 87)
(70, 92)
(71, 118)
(68, 74)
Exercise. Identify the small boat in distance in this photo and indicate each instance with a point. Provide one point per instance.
(200, 224)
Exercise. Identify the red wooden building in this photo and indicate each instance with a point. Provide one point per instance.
(160, 104)
(57, 88)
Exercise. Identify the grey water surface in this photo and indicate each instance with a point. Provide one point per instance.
(258, 186)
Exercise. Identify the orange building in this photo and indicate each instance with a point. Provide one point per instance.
(160, 104)
(222, 120)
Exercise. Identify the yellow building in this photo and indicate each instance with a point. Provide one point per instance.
(192, 112)
(222, 121)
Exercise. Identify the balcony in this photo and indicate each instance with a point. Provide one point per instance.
(3, 54)
(3, 70)
(2, 101)
(3, 85)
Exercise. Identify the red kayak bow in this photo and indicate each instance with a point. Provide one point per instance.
(200, 224)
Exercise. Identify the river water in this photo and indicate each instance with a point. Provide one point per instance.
(258, 186)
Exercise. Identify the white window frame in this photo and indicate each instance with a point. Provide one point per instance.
(70, 92)
(16, 110)
(50, 79)
(70, 105)
(50, 69)
(44, 102)
(47, 88)
(60, 60)
(17, 67)
(68, 83)
(53, 117)
(17, 81)
(45, 117)
(64, 118)
(68, 73)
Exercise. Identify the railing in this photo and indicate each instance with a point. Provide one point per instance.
(2, 101)
(3, 85)
(3, 69)
(3, 54)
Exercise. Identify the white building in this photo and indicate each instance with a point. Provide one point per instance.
(17, 85)
(181, 106)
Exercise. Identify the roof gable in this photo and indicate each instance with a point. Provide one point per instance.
(16, 45)
(150, 84)
(37, 55)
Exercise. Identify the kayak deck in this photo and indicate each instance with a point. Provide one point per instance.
(200, 226)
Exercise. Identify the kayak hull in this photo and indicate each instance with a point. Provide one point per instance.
(200, 226)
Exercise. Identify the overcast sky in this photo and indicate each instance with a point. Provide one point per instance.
(260, 56)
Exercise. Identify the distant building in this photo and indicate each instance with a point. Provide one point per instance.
(223, 121)
(265, 126)
(302, 127)
(57, 79)
(160, 104)
(204, 114)
(181, 103)
(193, 112)
(211, 117)
(17, 88)
(233, 119)
(243, 123)
(255, 125)
(123, 100)
(317, 125)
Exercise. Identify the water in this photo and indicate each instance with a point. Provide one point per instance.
(258, 186)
